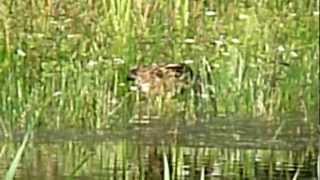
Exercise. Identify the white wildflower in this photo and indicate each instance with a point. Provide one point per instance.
(235, 40)
(57, 93)
(133, 88)
(205, 96)
(210, 13)
(21, 53)
(118, 61)
(281, 48)
(219, 42)
(91, 64)
(122, 84)
(188, 61)
(243, 17)
(189, 40)
(293, 54)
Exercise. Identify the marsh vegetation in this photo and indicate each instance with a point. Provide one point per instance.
(65, 65)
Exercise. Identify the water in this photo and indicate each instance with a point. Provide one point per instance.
(221, 148)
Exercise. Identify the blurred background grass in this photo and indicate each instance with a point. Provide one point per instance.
(65, 63)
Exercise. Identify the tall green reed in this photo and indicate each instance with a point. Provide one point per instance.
(252, 58)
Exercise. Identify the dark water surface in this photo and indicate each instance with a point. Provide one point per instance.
(222, 148)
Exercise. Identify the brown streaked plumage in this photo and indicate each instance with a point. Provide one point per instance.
(166, 79)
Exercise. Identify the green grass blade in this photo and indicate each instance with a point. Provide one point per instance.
(13, 167)
(166, 167)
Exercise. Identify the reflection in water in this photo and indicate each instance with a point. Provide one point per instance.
(227, 150)
(155, 165)
(44, 165)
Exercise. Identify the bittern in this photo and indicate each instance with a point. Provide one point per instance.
(162, 80)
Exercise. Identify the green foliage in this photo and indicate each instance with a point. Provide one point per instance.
(15, 163)
(64, 64)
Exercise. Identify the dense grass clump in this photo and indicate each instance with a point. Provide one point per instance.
(65, 63)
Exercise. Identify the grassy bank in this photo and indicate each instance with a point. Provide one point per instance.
(64, 63)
